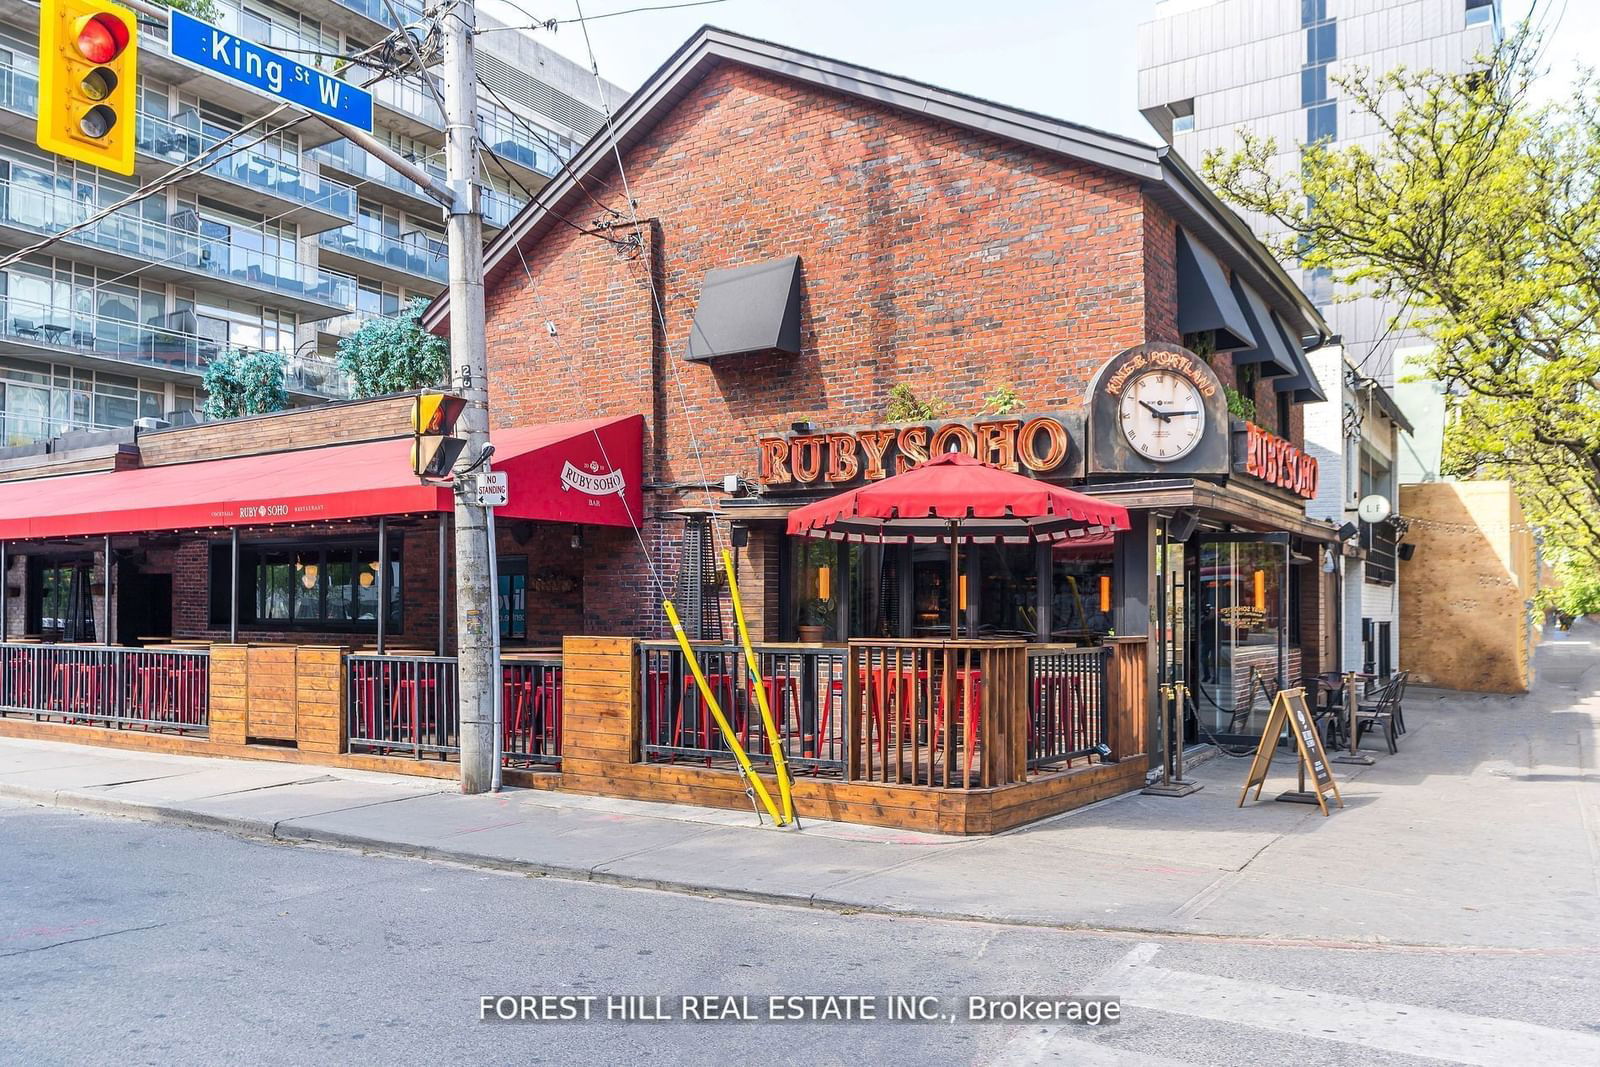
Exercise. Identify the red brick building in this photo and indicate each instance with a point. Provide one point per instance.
(803, 276)
(979, 256)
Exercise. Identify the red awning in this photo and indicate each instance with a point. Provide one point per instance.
(582, 472)
(988, 504)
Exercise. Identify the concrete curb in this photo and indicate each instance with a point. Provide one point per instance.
(277, 833)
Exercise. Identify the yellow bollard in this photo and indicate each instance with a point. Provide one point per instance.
(774, 743)
(747, 771)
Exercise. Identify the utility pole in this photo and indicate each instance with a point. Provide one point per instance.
(477, 642)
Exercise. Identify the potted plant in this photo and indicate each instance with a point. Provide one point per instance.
(815, 616)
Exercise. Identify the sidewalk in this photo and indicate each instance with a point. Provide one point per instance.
(1483, 831)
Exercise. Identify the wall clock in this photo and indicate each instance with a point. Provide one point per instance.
(1162, 415)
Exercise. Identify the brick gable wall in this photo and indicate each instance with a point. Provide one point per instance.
(949, 260)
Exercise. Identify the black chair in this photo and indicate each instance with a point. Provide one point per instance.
(1380, 714)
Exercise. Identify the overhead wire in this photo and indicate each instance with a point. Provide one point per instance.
(650, 281)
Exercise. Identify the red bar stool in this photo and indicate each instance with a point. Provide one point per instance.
(516, 702)
(369, 691)
(418, 696)
(547, 712)
(782, 692)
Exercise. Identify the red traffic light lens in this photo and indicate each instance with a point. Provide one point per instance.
(100, 38)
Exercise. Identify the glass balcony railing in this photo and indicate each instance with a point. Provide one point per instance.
(378, 11)
(77, 330)
(19, 90)
(171, 141)
(41, 209)
(409, 97)
(498, 208)
(164, 139)
(516, 143)
(425, 258)
(352, 160)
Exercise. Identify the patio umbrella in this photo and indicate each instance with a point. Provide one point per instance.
(955, 498)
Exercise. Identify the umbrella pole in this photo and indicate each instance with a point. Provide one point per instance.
(955, 584)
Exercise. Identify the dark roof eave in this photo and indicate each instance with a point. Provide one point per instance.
(1164, 174)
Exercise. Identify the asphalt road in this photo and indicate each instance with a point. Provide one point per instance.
(127, 942)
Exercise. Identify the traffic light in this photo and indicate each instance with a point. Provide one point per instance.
(88, 70)
(433, 450)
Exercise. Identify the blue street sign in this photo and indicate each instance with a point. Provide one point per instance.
(202, 45)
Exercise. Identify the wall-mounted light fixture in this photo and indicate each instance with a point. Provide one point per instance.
(1261, 591)
(1105, 593)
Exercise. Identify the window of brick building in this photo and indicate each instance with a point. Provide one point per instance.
(306, 585)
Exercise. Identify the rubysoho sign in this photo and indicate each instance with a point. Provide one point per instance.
(1275, 461)
(1047, 446)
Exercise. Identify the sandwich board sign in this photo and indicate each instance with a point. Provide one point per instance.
(1290, 709)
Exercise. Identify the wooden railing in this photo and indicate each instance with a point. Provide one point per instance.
(937, 713)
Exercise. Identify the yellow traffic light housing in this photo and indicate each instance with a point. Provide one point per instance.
(433, 418)
(88, 82)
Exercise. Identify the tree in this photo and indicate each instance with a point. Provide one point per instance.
(395, 354)
(1476, 210)
(245, 383)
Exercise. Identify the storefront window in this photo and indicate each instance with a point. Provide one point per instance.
(1082, 597)
(1239, 623)
(814, 588)
(1008, 600)
(513, 574)
(328, 586)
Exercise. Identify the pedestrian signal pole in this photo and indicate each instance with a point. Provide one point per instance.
(477, 641)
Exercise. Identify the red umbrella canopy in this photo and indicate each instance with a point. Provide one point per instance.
(986, 504)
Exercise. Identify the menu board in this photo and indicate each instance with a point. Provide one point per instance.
(1290, 709)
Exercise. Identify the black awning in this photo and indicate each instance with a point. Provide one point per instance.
(1204, 300)
(1272, 352)
(745, 310)
(1303, 382)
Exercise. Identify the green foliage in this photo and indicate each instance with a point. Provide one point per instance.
(1003, 401)
(1577, 592)
(1239, 405)
(244, 383)
(204, 10)
(1481, 207)
(905, 406)
(395, 355)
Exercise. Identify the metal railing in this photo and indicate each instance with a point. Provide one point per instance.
(804, 686)
(176, 143)
(531, 710)
(153, 689)
(403, 705)
(38, 209)
(427, 258)
(400, 705)
(346, 157)
(1067, 704)
(158, 347)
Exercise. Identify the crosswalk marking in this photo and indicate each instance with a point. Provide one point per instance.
(1410, 1029)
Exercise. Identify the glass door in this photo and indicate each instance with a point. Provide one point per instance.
(1238, 590)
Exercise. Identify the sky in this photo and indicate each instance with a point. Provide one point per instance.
(1070, 59)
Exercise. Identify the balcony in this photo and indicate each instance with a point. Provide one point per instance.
(377, 180)
(407, 105)
(396, 260)
(254, 182)
(531, 159)
(499, 209)
(158, 350)
(29, 210)
(248, 179)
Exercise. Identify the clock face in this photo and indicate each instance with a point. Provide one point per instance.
(1162, 415)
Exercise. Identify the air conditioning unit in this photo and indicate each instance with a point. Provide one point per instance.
(150, 423)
